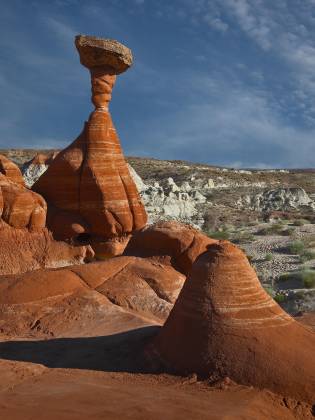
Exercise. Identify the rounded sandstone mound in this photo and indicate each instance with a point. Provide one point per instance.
(181, 243)
(225, 324)
(20, 207)
(11, 170)
(103, 52)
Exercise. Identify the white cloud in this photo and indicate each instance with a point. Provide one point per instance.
(229, 124)
(216, 23)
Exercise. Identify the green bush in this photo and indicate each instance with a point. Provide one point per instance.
(269, 290)
(299, 222)
(307, 256)
(276, 229)
(284, 277)
(279, 298)
(269, 256)
(308, 278)
(219, 234)
(296, 247)
(243, 237)
(287, 232)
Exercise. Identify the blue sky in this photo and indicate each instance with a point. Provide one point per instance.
(227, 82)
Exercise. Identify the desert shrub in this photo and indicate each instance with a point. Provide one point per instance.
(243, 237)
(269, 290)
(296, 247)
(299, 222)
(287, 232)
(309, 241)
(284, 277)
(276, 229)
(308, 278)
(279, 298)
(269, 256)
(219, 234)
(307, 255)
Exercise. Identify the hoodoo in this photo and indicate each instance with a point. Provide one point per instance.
(11, 170)
(88, 185)
(225, 325)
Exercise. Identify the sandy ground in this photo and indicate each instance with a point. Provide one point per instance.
(102, 375)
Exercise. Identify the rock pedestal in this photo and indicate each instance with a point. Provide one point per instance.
(90, 179)
(224, 324)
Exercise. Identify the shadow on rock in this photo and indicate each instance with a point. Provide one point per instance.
(122, 352)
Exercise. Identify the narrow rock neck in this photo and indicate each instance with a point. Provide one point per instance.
(102, 80)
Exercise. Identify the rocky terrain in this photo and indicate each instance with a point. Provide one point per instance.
(122, 294)
(259, 210)
(204, 195)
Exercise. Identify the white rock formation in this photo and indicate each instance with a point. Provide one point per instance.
(32, 171)
(282, 199)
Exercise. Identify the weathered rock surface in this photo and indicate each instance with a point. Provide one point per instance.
(225, 324)
(90, 180)
(22, 251)
(280, 199)
(229, 196)
(11, 170)
(144, 286)
(95, 51)
(19, 207)
(170, 202)
(35, 167)
(180, 243)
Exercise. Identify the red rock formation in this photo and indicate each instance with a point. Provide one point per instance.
(42, 159)
(20, 207)
(181, 243)
(11, 170)
(90, 178)
(225, 324)
(22, 250)
(141, 285)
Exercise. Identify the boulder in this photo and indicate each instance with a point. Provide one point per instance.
(96, 52)
(225, 325)
(20, 207)
(11, 170)
(181, 243)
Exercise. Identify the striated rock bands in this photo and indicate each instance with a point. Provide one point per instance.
(11, 170)
(225, 324)
(90, 180)
(19, 207)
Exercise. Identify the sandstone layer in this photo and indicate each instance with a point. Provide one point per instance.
(140, 285)
(11, 170)
(179, 243)
(22, 250)
(20, 207)
(89, 181)
(225, 325)
(103, 52)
